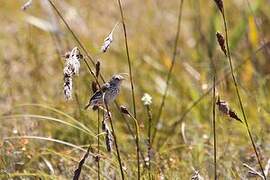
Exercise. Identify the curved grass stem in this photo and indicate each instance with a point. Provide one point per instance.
(164, 96)
(137, 145)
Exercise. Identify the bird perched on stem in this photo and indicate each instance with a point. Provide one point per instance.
(108, 92)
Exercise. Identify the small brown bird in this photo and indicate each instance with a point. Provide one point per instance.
(108, 92)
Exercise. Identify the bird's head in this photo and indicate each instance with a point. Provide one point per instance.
(117, 79)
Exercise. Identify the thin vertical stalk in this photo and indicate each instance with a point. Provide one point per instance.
(128, 58)
(98, 132)
(115, 140)
(149, 114)
(170, 70)
(214, 126)
(238, 94)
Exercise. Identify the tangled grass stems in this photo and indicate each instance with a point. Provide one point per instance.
(58, 112)
(128, 58)
(164, 96)
(238, 93)
(50, 140)
(94, 76)
(35, 117)
(91, 59)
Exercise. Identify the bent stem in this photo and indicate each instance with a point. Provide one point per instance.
(170, 70)
(238, 94)
(128, 58)
(137, 145)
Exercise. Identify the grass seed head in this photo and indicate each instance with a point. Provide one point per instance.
(97, 68)
(146, 99)
(221, 42)
(124, 110)
(219, 4)
(223, 107)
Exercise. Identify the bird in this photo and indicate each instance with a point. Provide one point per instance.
(107, 92)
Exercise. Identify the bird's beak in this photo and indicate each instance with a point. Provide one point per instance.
(122, 78)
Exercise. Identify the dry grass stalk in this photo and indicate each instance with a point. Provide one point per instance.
(128, 58)
(108, 40)
(147, 101)
(236, 86)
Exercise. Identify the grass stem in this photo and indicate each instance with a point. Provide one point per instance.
(115, 141)
(214, 126)
(149, 114)
(98, 132)
(128, 58)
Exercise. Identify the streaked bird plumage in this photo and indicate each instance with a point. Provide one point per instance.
(108, 92)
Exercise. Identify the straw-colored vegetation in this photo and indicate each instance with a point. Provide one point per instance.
(42, 135)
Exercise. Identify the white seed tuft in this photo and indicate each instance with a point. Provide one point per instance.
(146, 99)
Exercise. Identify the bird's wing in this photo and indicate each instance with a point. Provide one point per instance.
(97, 98)
(105, 86)
(97, 95)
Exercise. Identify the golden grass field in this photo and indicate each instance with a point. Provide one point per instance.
(43, 136)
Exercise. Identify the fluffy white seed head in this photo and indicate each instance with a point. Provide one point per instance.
(146, 99)
(72, 67)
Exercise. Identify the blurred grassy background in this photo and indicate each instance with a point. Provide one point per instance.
(31, 80)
